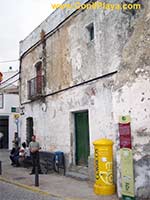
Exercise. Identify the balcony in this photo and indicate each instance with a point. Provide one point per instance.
(35, 87)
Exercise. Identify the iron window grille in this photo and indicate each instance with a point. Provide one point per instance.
(35, 87)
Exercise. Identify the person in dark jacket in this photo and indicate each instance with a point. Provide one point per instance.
(14, 155)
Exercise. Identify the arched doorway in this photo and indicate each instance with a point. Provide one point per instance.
(29, 130)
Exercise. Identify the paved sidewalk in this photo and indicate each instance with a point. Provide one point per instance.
(52, 184)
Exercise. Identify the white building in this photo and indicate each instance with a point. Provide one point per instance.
(82, 69)
(9, 104)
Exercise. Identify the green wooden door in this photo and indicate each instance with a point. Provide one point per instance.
(82, 138)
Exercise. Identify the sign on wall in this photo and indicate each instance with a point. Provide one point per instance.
(127, 174)
(127, 177)
(125, 132)
(15, 109)
(16, 116)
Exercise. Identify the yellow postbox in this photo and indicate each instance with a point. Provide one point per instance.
(103, 159)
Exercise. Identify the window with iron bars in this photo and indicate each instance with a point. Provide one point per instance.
(35, 87)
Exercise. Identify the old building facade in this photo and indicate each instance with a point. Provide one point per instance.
(79, 71)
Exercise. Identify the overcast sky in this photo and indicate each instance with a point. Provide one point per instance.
(17, 19)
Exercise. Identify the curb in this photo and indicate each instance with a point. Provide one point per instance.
(34, 189)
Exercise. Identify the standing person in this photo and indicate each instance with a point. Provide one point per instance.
(34, 147)
(16, 137)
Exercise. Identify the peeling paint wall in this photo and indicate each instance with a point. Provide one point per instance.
(28, 71)
(71, 58)
(131, 96)
(55, 128)
(49, 24)
(59, 73)
(129, 101)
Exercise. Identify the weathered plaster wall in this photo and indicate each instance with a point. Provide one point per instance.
(59, 72)
(48, 25)
(131, 96)
(55, 130)
(28, 71)
(121, 43)
(130, 101)
(71, 58)
(90, 59)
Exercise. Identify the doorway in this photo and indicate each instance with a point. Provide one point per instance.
(82, 138)
(4, 129)
(29, 122)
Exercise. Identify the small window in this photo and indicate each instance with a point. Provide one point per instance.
(90, 29)
(36, 84)
(38, 67)
(39, 77)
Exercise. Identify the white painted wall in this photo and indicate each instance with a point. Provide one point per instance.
(10, 100)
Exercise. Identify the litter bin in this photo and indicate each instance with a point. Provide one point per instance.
(59, 161)
(103, 160)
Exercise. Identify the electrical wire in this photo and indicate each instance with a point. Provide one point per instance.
(9, 78)
(9, 84)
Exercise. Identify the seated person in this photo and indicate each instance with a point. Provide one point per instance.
(24, 154)
(14, 154)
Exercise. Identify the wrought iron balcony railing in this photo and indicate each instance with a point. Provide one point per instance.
(36, 87)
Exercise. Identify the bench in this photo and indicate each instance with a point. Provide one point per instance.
(52, 161)
(47, 161)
